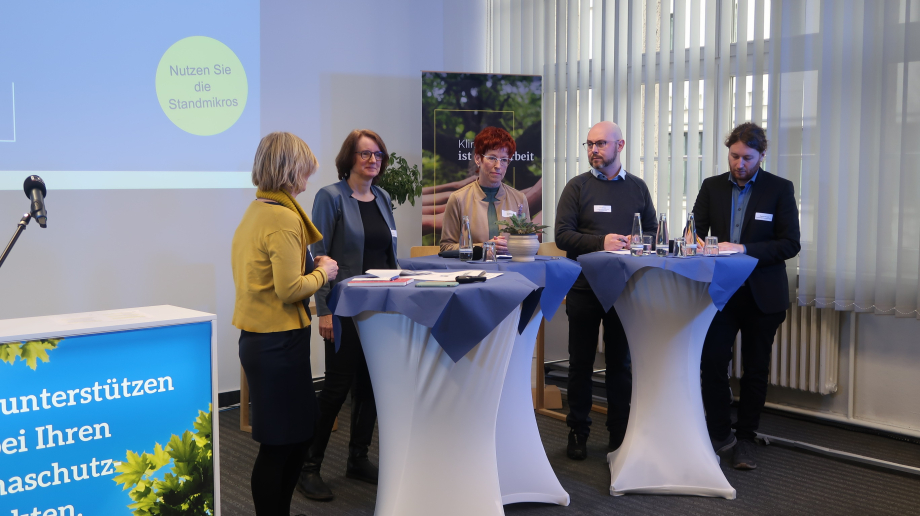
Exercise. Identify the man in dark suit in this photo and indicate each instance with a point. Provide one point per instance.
(754, 212)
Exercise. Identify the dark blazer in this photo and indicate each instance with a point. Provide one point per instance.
(337, 216)
(771, 242)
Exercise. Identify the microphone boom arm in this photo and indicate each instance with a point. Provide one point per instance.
(19, 229)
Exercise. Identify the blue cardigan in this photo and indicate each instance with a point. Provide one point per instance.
(337, 216)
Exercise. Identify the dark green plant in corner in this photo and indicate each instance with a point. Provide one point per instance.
(520, 226)
(401, 182)
(188, 490)
(29, 352)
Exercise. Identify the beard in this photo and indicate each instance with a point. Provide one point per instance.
(608, 162)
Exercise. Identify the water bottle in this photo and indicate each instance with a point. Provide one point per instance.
(661, 238)
(635, 240)
(690, 237)
(466, 240)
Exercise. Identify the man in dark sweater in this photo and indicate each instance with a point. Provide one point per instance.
(595, 213)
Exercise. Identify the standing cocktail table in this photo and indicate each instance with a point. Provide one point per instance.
(666, 305)
(524, 471)
(437, 358)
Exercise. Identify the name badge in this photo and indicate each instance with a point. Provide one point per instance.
(393, 232)
(763, 216)
(508, 213)
(601, 209)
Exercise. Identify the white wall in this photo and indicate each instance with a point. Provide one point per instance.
(327, 68)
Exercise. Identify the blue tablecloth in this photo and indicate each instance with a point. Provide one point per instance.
(554, 275)
(459, 317)
(608, 273)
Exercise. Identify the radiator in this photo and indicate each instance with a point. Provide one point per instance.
(806, 350)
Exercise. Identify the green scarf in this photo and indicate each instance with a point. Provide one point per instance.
(492, 214)
(285, 199)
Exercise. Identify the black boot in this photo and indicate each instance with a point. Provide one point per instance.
(311, 483)
(578, 446)
(359, 467)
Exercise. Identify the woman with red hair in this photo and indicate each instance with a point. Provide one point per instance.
(487, 200)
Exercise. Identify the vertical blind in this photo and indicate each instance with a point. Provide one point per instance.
(836, 84)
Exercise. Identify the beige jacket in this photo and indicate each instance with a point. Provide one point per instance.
(470, 200)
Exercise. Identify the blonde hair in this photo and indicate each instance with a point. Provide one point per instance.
(283, 162)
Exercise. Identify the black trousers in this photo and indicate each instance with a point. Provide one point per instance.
(757, 332)
(585, 315)
(346, 369)
(274, 477)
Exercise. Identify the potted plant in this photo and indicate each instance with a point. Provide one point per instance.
(400, 181)
(522, 237)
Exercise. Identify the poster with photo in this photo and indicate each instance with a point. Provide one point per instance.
(455, 107)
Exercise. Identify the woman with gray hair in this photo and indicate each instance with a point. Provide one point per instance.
(274, 276)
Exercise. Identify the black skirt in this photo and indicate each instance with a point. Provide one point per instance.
(277, 367)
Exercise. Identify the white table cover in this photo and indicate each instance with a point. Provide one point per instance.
(523, 469)
(666, 449)
(439, 453)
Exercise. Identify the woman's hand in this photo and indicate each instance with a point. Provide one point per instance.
(501, 244)
(325, 327)
(329, 265)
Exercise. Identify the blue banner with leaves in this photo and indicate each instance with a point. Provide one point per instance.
(109, 424)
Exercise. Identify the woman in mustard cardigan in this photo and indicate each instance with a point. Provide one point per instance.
(274, 276)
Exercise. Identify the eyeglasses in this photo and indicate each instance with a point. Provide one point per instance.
(366, 155)
(600, 144)
(495, 161)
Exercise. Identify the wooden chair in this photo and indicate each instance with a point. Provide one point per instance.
(417, 251)
(549, 249)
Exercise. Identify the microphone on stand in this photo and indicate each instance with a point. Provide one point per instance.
(36, 192)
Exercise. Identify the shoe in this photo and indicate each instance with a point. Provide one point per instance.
(616, 439)
(743, 456)
(578, 446)
(360, 468)
(313, 487)
(724, 444)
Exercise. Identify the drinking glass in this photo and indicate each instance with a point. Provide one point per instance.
(679, 247)
(647, 244)
(466, 240)
(712, 246)
(488, 252)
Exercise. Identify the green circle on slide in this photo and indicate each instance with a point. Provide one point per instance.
(201, 85)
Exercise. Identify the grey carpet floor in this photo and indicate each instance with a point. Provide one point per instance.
(788, 481)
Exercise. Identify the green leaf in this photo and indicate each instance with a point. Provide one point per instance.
(9, 352)
(183, 449)
(157, 459)
(132, 470)
(170, 483)
(202, 425)
(35, 350)
(185, 491)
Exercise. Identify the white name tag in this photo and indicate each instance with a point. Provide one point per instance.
(601, 209)
(393, 232)
(763, 216)
(508, 213)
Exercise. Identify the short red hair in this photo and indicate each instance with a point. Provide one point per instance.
(492, 138)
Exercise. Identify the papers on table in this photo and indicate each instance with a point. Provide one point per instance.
(621, 251)
(727, 253)
(447, 275)
(380, 282)
(385, 273)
